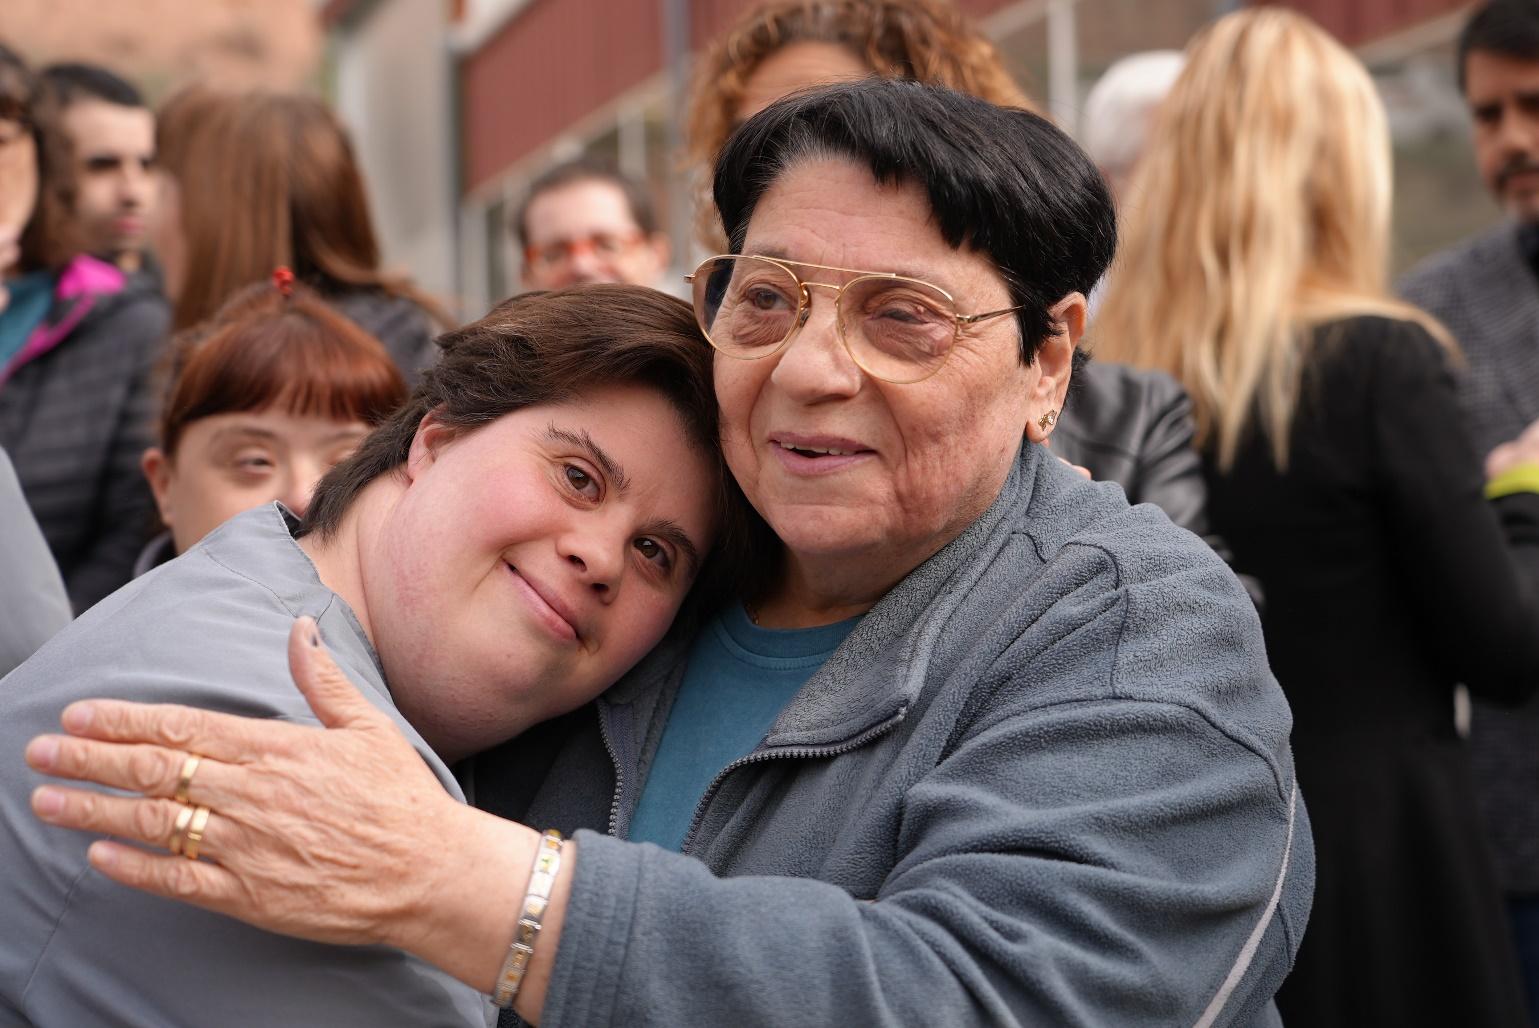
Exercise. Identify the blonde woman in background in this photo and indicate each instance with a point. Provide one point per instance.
(1123, 425)
(1254, 269)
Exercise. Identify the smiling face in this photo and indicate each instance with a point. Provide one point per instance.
(917, 462)
(528, 564)
(229, 463)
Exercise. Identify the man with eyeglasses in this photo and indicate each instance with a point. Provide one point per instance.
(583, 222)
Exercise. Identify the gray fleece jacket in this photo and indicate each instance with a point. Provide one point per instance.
(1046, 781)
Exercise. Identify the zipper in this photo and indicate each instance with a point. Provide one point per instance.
(614, 761)
(790, 753)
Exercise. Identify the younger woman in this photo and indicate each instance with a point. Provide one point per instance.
(263, 400)
(534, 517)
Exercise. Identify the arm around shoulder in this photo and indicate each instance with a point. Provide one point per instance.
(1102, 850)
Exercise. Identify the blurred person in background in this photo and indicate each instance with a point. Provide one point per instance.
(111, 136)
(583, 221)
(1120, 110)
(1124, 425)
(255, 181)
(262, 400)
(782, 46)
(33, 603)
(78, 342)
(1486, 290)
(1254, 268)
(1119, 113)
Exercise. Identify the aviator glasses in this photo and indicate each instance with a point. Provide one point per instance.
(897, 329)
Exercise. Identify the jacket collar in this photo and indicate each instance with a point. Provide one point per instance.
(82, 283)
(844, 699)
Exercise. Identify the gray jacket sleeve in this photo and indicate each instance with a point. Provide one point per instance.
(1109, 857)
(33, 605)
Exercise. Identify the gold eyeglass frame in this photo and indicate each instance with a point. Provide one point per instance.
(804, 309)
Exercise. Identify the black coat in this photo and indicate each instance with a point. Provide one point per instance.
(1388, 579)
(76, 421)
(404, 328)
(1486, 292)
(1134, 427)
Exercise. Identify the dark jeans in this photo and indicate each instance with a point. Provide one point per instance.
(1524, 913)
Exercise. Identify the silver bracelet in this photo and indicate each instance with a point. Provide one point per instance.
(547, 862)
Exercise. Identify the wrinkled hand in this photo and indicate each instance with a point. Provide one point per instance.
(332, 834)
(1522, 450)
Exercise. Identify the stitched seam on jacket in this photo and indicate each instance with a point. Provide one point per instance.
(1247, 955)
(69, 897)
(976, 704)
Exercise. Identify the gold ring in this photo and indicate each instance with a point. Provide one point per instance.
(179, 830)
(195, 832)
(184, 780)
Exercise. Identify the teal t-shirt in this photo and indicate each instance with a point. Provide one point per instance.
(738, 679)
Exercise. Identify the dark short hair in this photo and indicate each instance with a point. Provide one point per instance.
(76, 81)
(552, 347)
(585, 169)
(1000, 180)
(1506, 27)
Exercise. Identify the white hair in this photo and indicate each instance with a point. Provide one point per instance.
(1118, 110)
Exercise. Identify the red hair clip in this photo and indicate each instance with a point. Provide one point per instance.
(283, 278)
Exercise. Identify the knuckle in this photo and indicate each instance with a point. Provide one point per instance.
(146, 770)
(74, 757)
(181, 878)
(149, 822)
(88, 809)
(178, 726)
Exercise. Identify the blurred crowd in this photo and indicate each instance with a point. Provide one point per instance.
(195, 320)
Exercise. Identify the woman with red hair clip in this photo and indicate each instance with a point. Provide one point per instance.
(262, 400)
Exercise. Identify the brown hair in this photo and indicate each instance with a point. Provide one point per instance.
(927, 41)
(551, 347)
(268, 179)
(50, 238)
(264, 349)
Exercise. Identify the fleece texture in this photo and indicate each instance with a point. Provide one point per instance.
(1047, 780)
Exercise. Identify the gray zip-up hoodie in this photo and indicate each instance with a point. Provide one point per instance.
(1045, 781)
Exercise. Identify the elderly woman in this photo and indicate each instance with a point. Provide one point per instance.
(1124, 425)
(990, 745)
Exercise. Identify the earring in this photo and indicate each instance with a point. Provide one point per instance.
(1047, 420)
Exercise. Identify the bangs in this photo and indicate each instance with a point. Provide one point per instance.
(302, 358)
